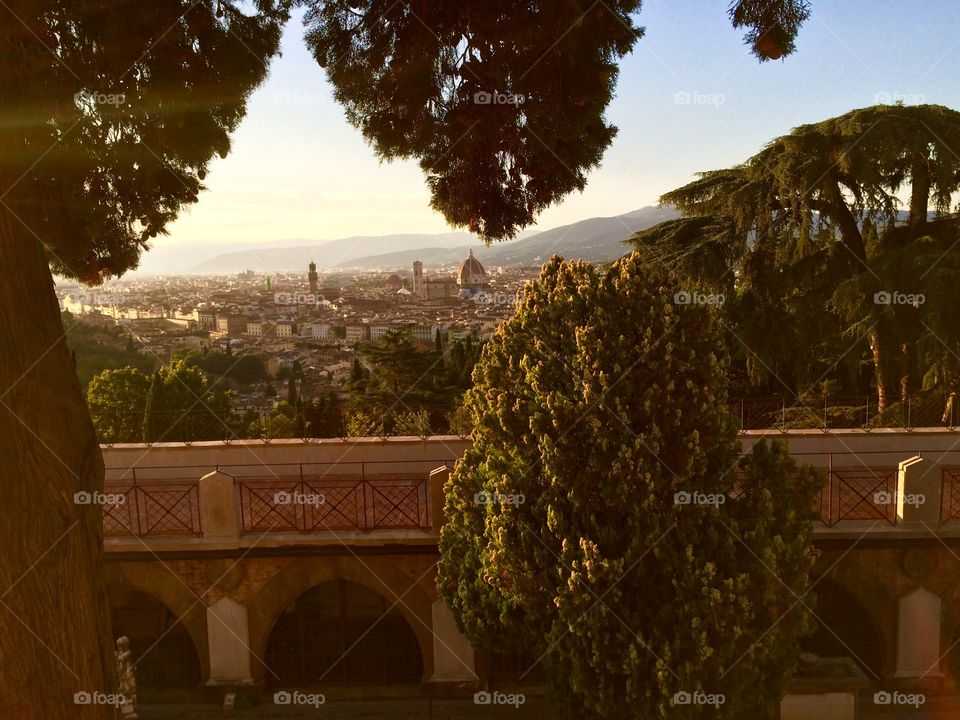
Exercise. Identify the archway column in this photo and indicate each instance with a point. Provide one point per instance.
(918, 635)
(228, 638)
(453, 656)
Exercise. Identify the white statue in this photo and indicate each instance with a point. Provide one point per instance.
(127, 679)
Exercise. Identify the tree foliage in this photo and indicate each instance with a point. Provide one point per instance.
(502, 103)
(504, 119)
(804, 233)
(117, 399)
(773, 25)
(598, 407)
(127, 103)
(181, 406)
(243, 370)
(405, 384)
(325, 416)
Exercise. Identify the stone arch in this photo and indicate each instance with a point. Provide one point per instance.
(378, 575)
(848, 626)
(158, 582)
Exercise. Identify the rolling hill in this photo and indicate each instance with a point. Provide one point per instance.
(595, 240)
(327, 255)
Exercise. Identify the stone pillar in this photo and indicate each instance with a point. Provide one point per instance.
(918, 493)
(918, 635)
(452, 653)
(228, 637)
(438, 479)
(219, 512)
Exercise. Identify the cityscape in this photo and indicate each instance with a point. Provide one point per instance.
(315, 320)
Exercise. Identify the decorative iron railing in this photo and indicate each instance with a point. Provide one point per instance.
(841, 413)
(859, 494)
(390, 494)
(151, 508)
(950, 494)
(345, 503)
(395, 495)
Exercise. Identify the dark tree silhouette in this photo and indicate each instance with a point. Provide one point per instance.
(501, 102)
(111, 112)
(773, 24)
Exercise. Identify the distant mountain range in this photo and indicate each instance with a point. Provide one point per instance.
(327, 255)
(594, 240)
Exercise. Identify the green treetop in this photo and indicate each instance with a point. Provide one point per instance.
(590, 523)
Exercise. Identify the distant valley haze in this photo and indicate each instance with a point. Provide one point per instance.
(599, 239)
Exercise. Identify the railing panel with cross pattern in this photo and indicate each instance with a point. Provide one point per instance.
(152, 508)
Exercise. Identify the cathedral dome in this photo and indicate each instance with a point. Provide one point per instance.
(472, 276)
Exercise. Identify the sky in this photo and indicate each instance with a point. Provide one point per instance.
(690, 97)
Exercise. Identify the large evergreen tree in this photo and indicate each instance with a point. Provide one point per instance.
(808, 231)
(598, 409)
(111, 112)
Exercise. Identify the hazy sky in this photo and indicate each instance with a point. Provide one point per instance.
(690, 97)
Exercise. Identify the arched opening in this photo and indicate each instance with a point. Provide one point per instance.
(162, 649)
(341, 632)
(844, 629)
